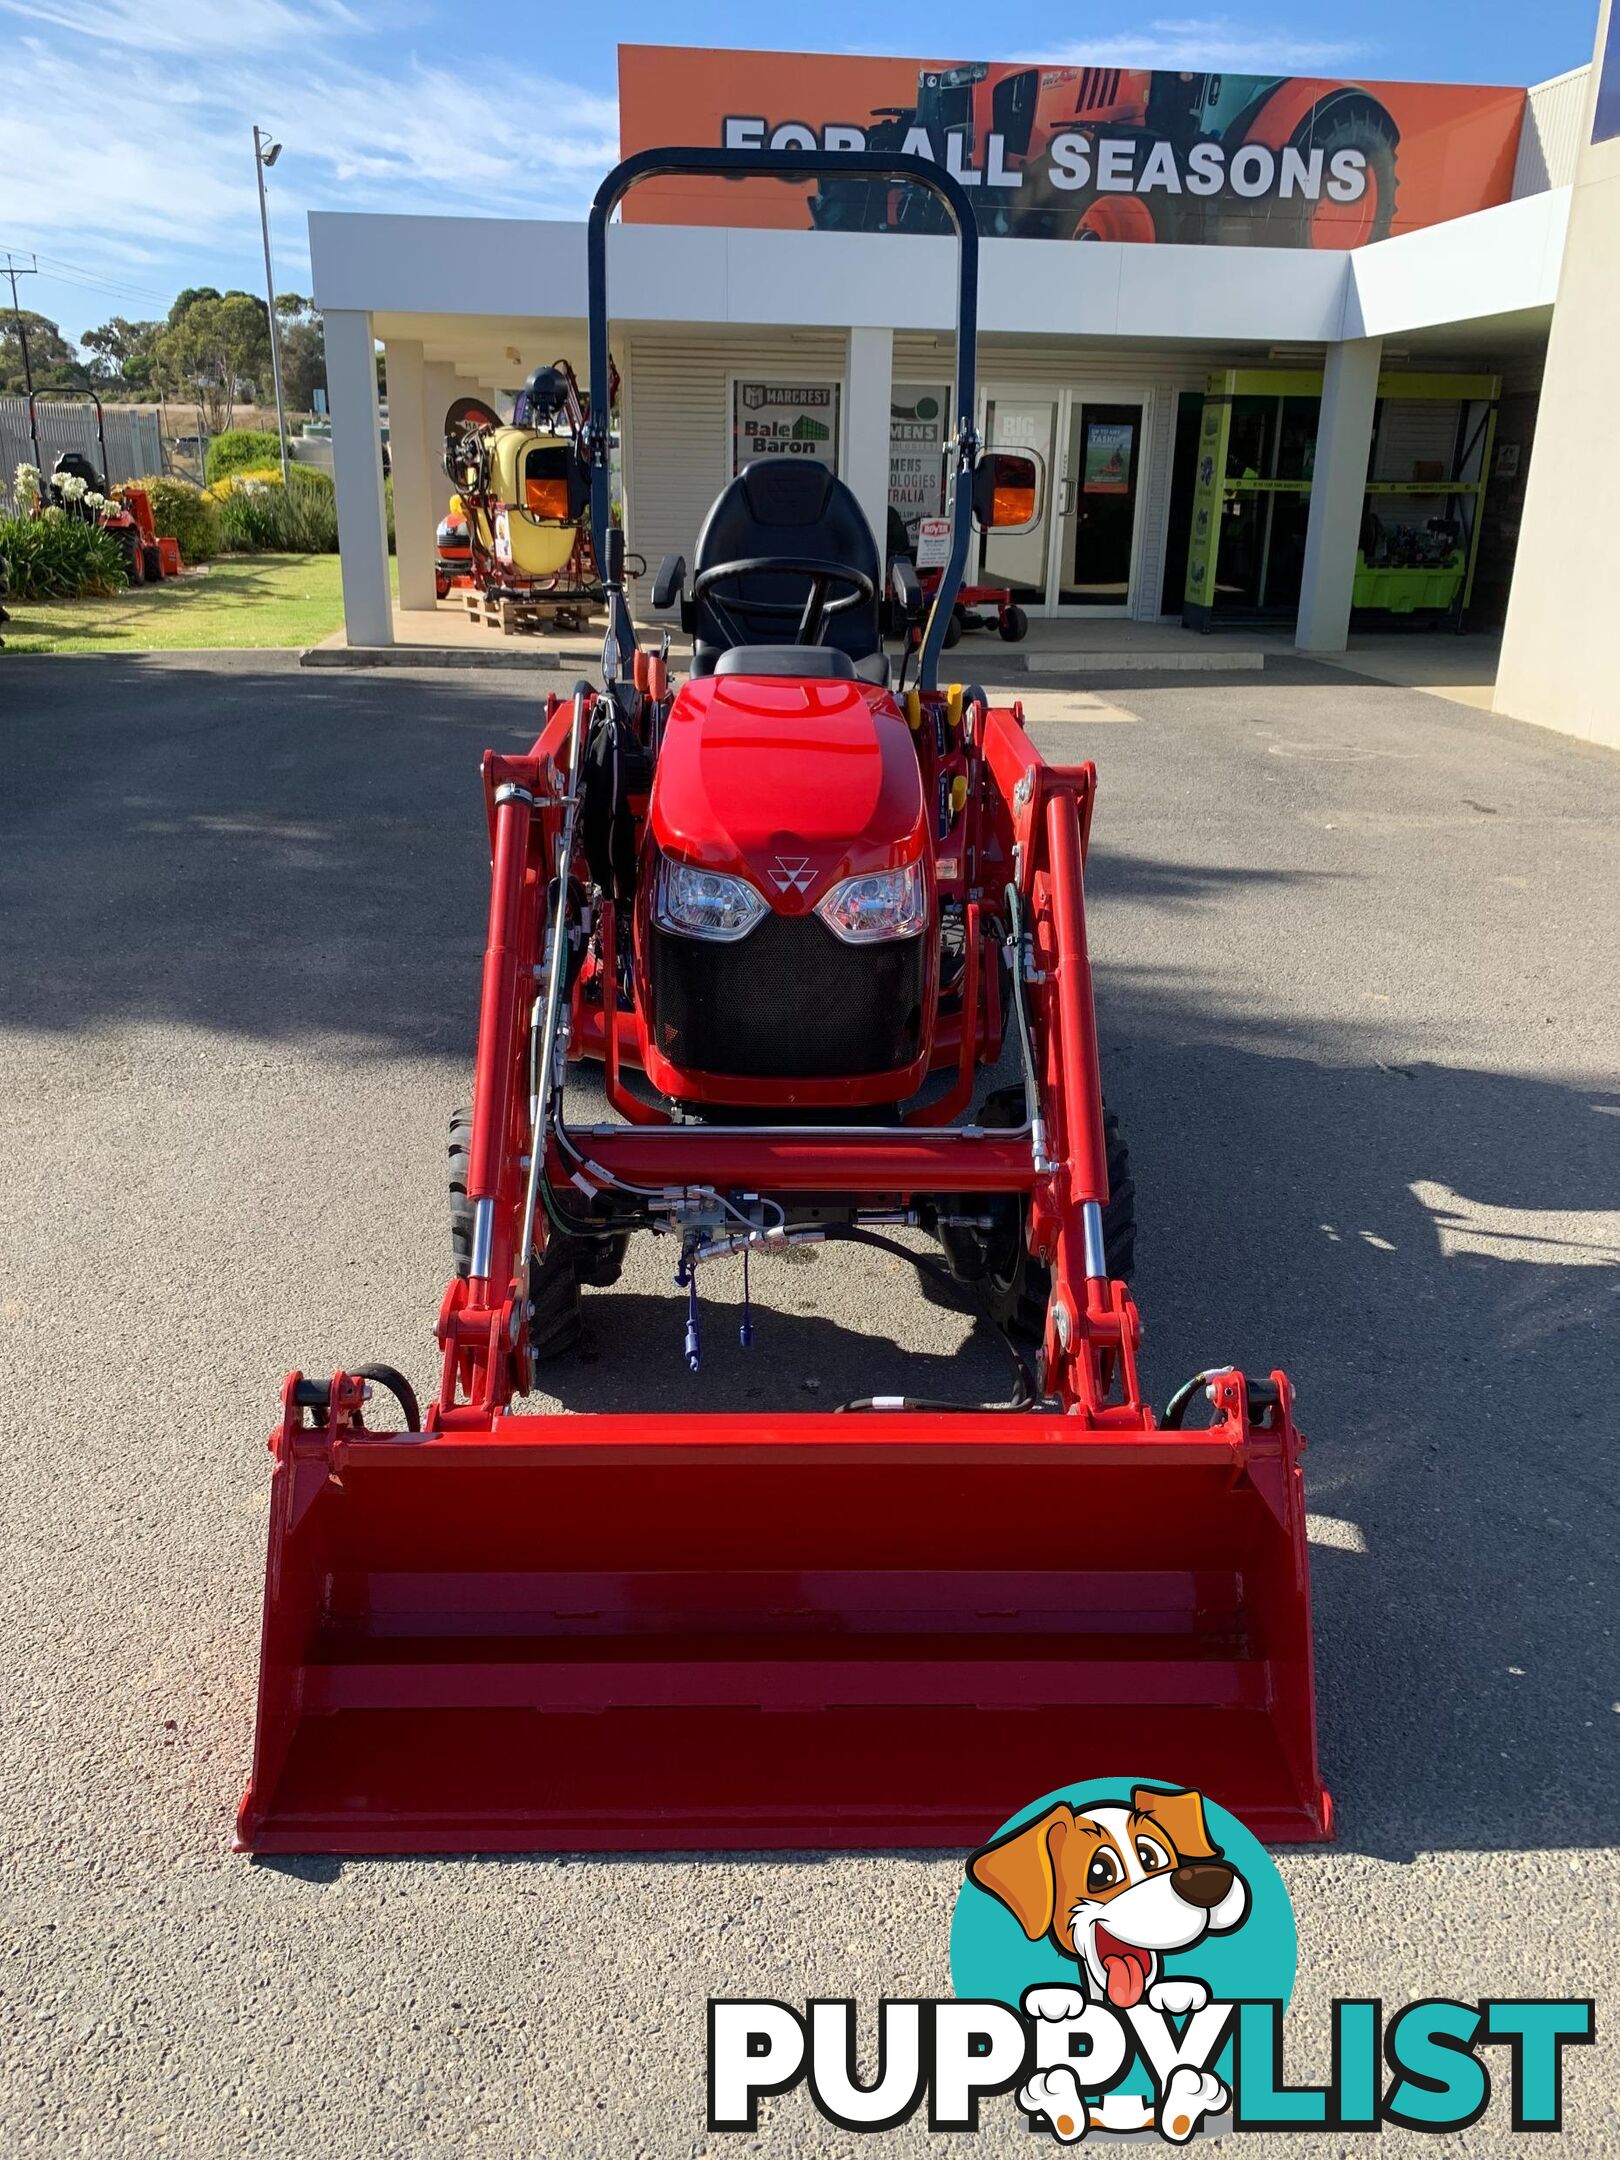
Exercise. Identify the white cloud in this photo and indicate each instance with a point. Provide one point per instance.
(1208, 43)
(168, 179)
(191, 26)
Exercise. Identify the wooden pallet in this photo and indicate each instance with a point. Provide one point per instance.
(523, 618)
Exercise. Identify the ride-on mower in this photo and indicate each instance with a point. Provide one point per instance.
(77, 484)
(794, 910)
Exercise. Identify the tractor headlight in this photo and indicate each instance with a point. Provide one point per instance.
(704, 903)
(884, 904)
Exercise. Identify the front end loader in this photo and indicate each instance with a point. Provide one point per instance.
(797, 913)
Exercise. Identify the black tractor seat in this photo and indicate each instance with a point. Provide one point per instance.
(784, 506)
(811, 663)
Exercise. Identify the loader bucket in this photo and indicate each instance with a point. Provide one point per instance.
(608, 1633)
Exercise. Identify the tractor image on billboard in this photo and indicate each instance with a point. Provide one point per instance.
(1132, 154)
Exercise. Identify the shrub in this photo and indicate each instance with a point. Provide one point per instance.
(185, 512)
(57, 557)
(299, 520)
(240, 450)
(306, 479)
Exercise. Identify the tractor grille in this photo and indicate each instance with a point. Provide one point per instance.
(1099, 88)
(789, 1001)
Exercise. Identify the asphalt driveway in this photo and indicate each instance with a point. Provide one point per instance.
(1357, 982)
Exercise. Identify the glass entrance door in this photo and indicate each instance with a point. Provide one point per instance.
(1022, 421)
(1081, 555)
(1097, 494)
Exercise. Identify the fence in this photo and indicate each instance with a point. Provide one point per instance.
(134, 438)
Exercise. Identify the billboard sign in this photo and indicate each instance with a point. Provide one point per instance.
(1077, 153)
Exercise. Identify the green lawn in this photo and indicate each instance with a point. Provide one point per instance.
(243, 601)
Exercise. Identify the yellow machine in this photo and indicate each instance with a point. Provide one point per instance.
(531, 562)
(527, 523)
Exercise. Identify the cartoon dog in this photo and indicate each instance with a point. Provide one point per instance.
(1118, 1889)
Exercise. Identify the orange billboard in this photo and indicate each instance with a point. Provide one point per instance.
(1075, 153)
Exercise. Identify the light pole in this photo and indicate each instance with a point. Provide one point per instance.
(265, 153)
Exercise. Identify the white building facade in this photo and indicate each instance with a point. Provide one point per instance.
(1080, 346)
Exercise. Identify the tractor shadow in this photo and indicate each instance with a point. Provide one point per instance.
(631, 1354)
(1434, 1256)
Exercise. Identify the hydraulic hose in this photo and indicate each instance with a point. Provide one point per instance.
(1176, 1408)
(1025, 1393)
(385, 1376)
(1261, 1393)
(1026, 1040)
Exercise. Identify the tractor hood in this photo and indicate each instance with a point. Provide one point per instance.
(794, 785)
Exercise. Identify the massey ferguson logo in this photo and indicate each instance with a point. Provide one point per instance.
(792, 873)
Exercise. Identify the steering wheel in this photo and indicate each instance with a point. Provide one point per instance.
(859, 590)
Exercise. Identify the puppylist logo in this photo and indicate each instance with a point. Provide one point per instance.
(1123, 1953)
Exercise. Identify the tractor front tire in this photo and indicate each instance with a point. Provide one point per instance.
(152, 565)
(1013, 625)
(953, 629)
(554, 1321)
(596, 1261)
(1017, 1286)
(461, 1208)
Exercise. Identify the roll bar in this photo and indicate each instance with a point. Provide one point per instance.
(34, 397)
(795, 165)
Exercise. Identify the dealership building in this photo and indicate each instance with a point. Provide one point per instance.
(1295, 355)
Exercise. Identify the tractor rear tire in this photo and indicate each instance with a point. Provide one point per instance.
(129, 547)
(953, 629)
(1365, 127)
(1015, 1284)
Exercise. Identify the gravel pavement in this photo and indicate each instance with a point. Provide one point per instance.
(1356, 962)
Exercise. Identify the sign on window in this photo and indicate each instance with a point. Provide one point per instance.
(777, 419)
(918, 421)
(1108, 457)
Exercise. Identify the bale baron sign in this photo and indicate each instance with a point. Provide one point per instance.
(1080, 153)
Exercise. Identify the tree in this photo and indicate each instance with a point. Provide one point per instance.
(183, 300)
(213, 348)
(303, 350)
(123, 353)
(51, 359)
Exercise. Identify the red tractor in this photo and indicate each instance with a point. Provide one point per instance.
(795, 909)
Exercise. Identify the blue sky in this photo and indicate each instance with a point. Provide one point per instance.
(125, 132)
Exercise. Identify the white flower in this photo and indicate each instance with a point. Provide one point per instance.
(26, 485)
